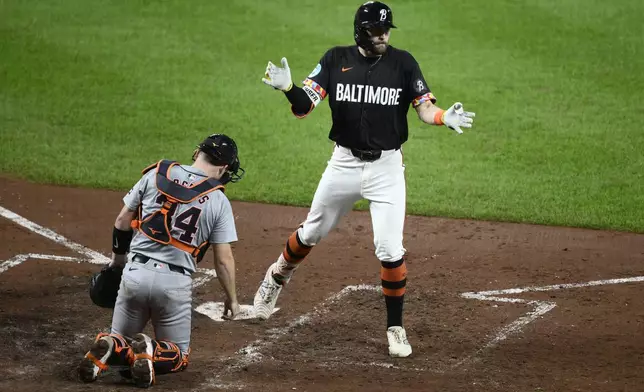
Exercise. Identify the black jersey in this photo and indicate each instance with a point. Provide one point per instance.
(369, 97)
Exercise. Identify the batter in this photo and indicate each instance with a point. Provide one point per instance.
(370, 87)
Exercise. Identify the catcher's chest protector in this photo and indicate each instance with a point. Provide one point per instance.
(157, 226)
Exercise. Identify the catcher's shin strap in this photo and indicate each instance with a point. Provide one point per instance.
(157, 226)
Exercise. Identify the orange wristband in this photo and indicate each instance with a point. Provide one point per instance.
(438, 117)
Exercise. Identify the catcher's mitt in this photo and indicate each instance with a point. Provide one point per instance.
(104, 286)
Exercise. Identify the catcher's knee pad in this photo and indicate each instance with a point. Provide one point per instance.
(121, 352)
(393, 276)
(168, 358)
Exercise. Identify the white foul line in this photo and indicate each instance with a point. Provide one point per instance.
(93, 256)
(18, 259)
(12, 262)
(540, 308)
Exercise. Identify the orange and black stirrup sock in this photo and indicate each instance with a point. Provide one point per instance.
(294, 253)
(393, 276)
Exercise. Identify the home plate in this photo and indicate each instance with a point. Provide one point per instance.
(215, 311)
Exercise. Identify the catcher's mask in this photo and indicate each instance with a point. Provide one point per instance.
(371, 14)
(221, 150)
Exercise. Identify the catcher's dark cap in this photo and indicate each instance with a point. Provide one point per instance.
(220, 148)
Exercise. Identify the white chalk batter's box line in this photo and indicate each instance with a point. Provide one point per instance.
(253, 352)
(208, 274)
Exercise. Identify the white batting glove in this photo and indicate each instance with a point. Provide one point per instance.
(455, 118)
(278, 78)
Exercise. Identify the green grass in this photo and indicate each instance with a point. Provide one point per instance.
(93, 91)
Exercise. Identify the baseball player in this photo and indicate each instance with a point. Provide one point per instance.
(370, 87)
(177, 212)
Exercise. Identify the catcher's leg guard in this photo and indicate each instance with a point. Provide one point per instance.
(142, 370)
(107, 349)
(168, 358)
(152, 357)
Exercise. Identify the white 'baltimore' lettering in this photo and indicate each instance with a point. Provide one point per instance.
(347, 94)
(359, 93)
(360, 87)
(373, 94)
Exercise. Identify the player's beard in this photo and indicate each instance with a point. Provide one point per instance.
(379, 48)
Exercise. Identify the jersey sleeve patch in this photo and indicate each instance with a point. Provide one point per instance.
(315, 87)
(315, 71)
(424, 98)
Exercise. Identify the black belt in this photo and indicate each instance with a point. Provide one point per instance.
(144, 259)
(366, 155)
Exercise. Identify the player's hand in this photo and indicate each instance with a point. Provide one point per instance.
(455, 118)
(278, 78)
(231, 310)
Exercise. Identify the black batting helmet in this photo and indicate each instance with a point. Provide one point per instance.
(222, 150)
(371, 14)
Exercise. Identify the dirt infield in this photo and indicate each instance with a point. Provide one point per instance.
(548, 335)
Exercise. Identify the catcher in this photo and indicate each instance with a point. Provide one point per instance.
(177, 212)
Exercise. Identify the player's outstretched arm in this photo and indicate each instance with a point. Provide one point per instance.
(225, 268)
(454, 117)
(280, 79)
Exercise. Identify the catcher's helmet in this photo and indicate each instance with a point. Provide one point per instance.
(222, 150)
(371, 14)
